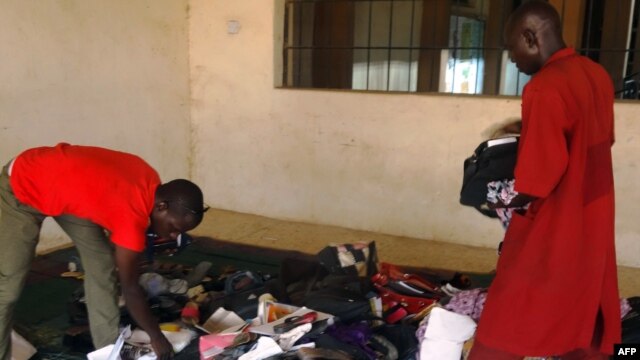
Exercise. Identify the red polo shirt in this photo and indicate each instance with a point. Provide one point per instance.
(110, 188)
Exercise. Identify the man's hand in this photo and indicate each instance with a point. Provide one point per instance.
(498, 205)
(517, 202)
(162, 348)
(128, 262)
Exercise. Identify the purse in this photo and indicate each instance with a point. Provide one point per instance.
(399, 289)
(492, 160)
(359, 259)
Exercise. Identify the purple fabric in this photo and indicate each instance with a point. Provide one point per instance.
(468, 302)
(357, 334)
(471, 303)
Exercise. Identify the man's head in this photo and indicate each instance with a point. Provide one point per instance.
(533, 33)
(178, 208)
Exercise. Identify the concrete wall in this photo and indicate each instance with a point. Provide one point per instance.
(110, 73)
(389, 163)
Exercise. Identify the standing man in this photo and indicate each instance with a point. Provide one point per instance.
(556, 289)
(90, 191)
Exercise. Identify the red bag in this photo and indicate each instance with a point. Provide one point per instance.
(398, 288)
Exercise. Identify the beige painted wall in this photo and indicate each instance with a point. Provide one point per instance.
(110, 73)
(381, 162)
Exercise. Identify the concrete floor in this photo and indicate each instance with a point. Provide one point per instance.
(310, 238)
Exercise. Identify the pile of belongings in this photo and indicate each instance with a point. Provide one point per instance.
(341, 304)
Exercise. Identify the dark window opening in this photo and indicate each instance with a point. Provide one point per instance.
(447, 46)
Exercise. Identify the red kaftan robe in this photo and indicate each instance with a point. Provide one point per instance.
(557, 269)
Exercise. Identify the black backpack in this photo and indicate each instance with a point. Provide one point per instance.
(492, 160)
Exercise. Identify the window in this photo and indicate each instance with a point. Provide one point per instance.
(448, 46)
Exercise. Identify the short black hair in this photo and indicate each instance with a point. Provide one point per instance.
(183, 198)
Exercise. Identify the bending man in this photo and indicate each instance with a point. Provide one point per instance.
(104, 200)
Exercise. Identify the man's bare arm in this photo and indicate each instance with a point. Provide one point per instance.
(127, 262)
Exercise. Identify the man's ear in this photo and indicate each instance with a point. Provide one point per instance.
(530, 38)
(162, 205)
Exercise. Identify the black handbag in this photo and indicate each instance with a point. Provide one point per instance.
(492, 160)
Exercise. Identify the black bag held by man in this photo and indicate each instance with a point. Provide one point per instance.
(492, 160)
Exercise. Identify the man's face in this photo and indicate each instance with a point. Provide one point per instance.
(168, 225)
(523, 49)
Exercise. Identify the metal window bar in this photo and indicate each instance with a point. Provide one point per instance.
(285, 55)
(411, 29)
(503, 20)
(588, 37)
(478, 53)
(633, 35)
(299, 41)
(390, 44)
(369, 31)
(455, 51)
